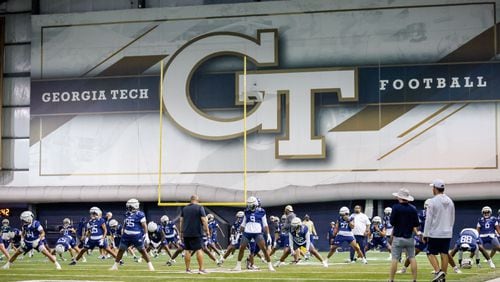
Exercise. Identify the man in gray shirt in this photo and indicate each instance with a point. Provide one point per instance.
(193, 225)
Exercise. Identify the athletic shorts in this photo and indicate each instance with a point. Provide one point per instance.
(29, 246)
(378, 241)
(339, 239)
(247, 237)
(296, 246)
(283, 242)
(488, 240)
(399, 244)
(193, 243)
(91, 244)
(132, 240)
(437, 246)
(169, 240)
(254, 248)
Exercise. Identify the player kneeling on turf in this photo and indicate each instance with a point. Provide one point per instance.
(343, 228)
(63, 244)
(469, 241)
(135, 233)
(95, 235)
(301, 237)
(32, 238)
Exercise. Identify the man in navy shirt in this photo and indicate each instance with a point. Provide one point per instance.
(404, 218)
(193, 225)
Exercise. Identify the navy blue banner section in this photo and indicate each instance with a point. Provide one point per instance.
(429, 83)
(376, 85)
(95, 95)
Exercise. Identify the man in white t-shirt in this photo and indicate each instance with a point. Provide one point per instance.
(361, 230)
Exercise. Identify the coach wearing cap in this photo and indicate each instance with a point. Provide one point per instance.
(404, 218)
(438, 229)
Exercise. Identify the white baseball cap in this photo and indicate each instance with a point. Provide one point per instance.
(438, 183)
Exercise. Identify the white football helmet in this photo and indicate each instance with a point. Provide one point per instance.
(132, 205)
(60, 249)
(95, 211)
(252, 203)
(152, 226)
(388, 211)
(210, 217)
(296, 223)
(164, 219)
(486, 211)
(113, 223)
(5, 222)
(377, 219)
(466, 263)
(27, 217)
(426, 203)
(66, 222)
(344, 211)
(240, 214)
(12, 234)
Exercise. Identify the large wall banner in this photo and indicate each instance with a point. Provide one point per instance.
(335, 97)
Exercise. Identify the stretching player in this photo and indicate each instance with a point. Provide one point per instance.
(135, 233)
(486, 226)
(331, 239)
(95, 235)
(213, 226)
(253, 224)
(343, 233)
(63, 244)
(299, 237)
(378, 236)
(386, 220)
(280, 237)
(157, 238)
(235, 236)
(469, 241)
(32, 237)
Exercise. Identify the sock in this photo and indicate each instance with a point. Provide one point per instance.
(238, 263)
(150, 265)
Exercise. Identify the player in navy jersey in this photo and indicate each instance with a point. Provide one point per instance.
(469, 241)
(95, 235)
(488, 226)
(135, 233)
(3, 248)
(330, 236)
(15, 238)
(156, 237)
(378, 236)
(65, 243)
(213, 226)
(235, 237)
(67, 229)
(253, 225)
(32, 238)
(280, 236)
(81, 231)
(5, 229)
(343, 232)
(299, 237)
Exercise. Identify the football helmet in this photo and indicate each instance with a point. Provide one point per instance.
(66, 222)
(132, 205)
(252, 203)
(60, 249)
(240, 214)
(426, 203)
(377, 219)
(5, 222)
(113, 223)
(95, 212)
(27, 217)
(164, 219)
(296, 223)
(152, 226)
(388, 211)
(466, 263)
(210, 217)
(344, 211)
(486, 211)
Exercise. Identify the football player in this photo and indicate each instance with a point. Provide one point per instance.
(469, 241)
(280, 236)
(156, 238)
(343, 233)
(170, 232)
(331, 239)
(67, 229)
(15, 238)
(386, 220)
(487, 226)
(299, 237)
(63, 244)
(213, 226)
(135, 233)
(95, 235)
(254, 222)
(378, 235)
(32, 237)
(235, 237)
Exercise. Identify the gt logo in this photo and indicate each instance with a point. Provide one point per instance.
(298, 86)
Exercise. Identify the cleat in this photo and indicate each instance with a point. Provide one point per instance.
(6, 266)
(402, 270)
(73, 262)
(439, 276)
(325, 263)
(279, 263)
(169, 263)
(84, 259)
(365, 261)
(457, 270)
(237, 268)
(114, 267)
(188, 271)
(202, 272)
(491, 264)
(58, 266)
